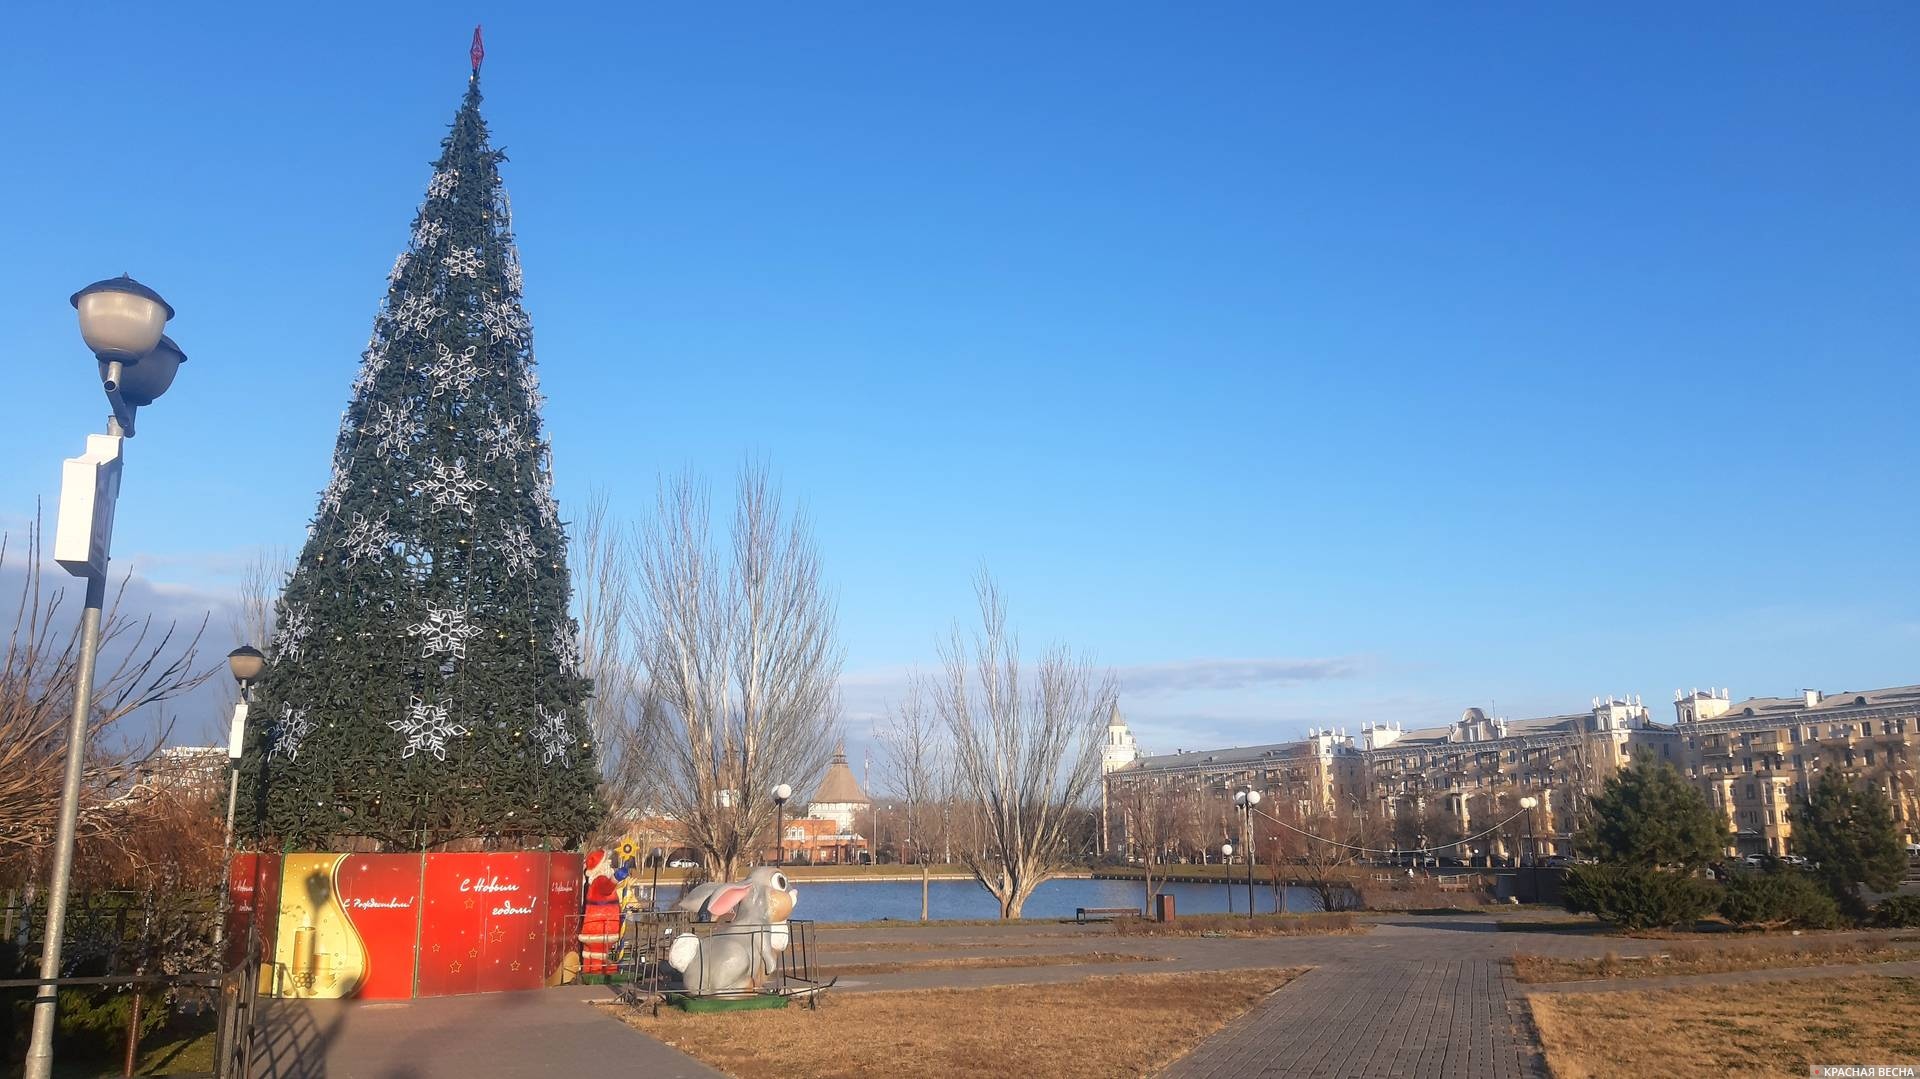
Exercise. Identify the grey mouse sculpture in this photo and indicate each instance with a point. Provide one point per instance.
(743, 956)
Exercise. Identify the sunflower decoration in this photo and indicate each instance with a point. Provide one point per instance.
(628, 850)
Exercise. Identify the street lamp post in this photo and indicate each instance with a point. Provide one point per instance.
(1533, 856)
(1226, 864)
(780, 795)
(1245, 799)
(122, 321)
(245, 664)
(656, 856)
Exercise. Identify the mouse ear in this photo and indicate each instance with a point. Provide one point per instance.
(724, 900)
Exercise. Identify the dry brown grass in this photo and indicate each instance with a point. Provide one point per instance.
(1128, 1024)
(1752, 1029)
(1230, 925)
(1701, 957)
(970, 962)
(827, 943)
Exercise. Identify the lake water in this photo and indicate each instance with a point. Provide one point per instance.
(865, 901)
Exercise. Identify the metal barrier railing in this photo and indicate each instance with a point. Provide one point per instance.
(234, 996)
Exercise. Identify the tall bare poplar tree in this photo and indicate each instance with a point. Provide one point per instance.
(623, 729)
(741, 660)
(1027, 754)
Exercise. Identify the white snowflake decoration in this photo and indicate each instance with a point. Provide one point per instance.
(442, 183)
(368, 539)
(449, 485)
(331, 494)
(503, 321)
(530, 385)
(544, 502)
(500, 437)
(415, 315)
(519, 550)
(427, 233)
(455, 371)
(392, 429)
(295, 625)
(427, 728)
(553, 734)
(567, 646)
(371, 362)
(515, 279)
(293, 728)
(443, 632)
(463, 262)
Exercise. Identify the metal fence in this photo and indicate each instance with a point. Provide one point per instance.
(160, 948)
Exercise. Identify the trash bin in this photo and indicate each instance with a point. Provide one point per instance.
(1163, 907)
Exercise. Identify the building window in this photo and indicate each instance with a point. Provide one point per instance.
(1746, 765)
(1750, 792)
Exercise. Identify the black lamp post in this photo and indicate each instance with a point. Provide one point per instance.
(780, 796)
(1226, 863)
(1533, 856)
(1245, 799)
(656, 856)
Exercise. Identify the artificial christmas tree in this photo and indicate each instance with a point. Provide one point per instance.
(424, 686)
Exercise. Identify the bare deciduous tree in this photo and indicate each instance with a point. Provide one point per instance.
(1153, 816)
(624, 730)
(741, 661)
(141, 665)
(1027, 756)
(913, 748)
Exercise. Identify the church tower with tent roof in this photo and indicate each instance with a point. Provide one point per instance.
(839, 798)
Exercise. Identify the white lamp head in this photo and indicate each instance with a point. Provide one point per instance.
(120, 318)
(782, 792)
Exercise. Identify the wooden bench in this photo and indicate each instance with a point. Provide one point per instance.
(1104, 914)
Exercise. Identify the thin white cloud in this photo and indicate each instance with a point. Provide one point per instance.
(1215, 674)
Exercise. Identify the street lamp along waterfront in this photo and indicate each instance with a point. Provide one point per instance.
(1226, 862)
(780, 795)
(1533, 855)
(123, 323)
(1245, 799)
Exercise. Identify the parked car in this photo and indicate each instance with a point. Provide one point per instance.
(1754, 861)
(1796, 861)
(1556, 861)
(682, 863)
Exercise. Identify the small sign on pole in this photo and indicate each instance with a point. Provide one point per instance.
(89, 486)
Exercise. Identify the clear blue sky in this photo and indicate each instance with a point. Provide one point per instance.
(1426, 358)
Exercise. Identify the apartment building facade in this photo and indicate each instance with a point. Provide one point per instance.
(1464, 785)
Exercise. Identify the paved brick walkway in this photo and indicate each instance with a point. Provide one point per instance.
(548, 1032)
(1407, 1010)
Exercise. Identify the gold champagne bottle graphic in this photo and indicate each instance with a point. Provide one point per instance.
(323, 956)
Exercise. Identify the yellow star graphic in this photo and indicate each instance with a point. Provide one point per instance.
(469, 904)
(529, 934)
(515, 965)
(473, 953)
(454, 967)
(436, 946)
(498, 935)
